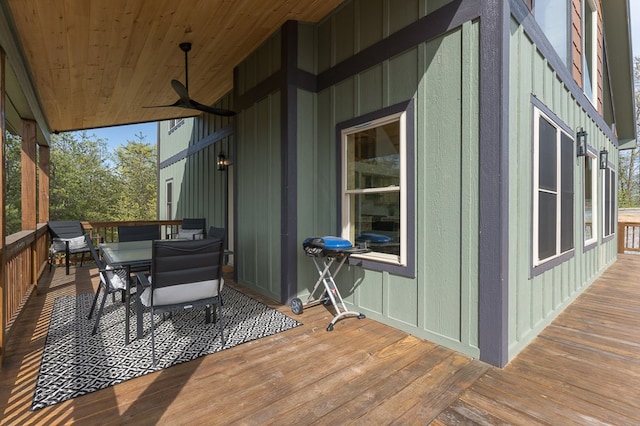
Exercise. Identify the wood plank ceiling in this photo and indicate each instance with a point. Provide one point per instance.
(98, 63)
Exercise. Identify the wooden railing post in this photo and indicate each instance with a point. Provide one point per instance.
(621, 237)
(3, 260)
(629, 237)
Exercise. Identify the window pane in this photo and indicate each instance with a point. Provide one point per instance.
(588, 198)
(552, 16)
(566, 202)
(612, 217)
(566, 225)
(546, 225)
(607, 202)
(375, 219)
(589, 48)
(373, 157)
(548, 156)
(566, 162)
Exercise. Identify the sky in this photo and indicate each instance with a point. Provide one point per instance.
(634, 6)
(120, 135)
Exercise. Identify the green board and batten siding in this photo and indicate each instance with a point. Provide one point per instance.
(441, 75)
(259, 168)
(259, 196)
(441, 302)
(442, 78)
(535, 300)
(198, 187)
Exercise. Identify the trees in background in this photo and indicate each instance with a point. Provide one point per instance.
(136, 171)
(13, 150)
(87, 182)
(629, 164)
(82, 183)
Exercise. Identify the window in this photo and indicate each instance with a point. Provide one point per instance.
(590, 200)
(374, 187)
(609, 202)
(174, 124)
(553, 18)
(590, 50)
(169, 195)
(553, 190)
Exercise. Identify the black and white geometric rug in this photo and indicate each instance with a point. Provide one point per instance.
(75, 362)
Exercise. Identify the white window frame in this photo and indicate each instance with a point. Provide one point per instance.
(168, 194)
(400, 259)
(593, 159)
(609, 203)
(537, 114)
(174, 124)
(590, 84)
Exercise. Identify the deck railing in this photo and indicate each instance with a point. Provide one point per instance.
(107, 232)
(25, 256)
(629, 237)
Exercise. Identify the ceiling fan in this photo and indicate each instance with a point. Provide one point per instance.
(183, 92)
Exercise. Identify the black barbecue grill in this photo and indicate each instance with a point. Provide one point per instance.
(325, 251)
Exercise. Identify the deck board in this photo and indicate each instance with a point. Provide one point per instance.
(582, 369)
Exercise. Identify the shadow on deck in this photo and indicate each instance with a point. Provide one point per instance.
(583, 369)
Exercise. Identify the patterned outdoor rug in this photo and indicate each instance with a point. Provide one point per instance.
(75, 363)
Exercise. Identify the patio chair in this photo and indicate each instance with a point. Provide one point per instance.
(192, 229)
(112, 280)
(215, 232)
(138, 233)
(184, 275)
(66, 237)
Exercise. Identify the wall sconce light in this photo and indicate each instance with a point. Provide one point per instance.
(604, 159)
(581, 143)
(222, 162)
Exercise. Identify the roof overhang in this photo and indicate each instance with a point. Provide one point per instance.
(617, 29)
(87, 64)
(21, 102)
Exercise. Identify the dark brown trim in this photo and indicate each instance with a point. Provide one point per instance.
(260, 91)
(212, 138)
(432, 25)
(289, 152)
(493, 266)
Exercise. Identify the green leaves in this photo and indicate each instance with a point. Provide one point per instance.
(87, 183)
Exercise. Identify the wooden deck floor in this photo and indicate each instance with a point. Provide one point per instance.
(583, 369)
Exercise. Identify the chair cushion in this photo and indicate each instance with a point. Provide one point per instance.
(116, 280)
(182, 293)
(76, 243)
(190, 234)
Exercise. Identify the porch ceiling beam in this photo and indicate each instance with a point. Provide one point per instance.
(22, 84)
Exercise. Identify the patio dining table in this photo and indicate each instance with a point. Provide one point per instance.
(133, 255)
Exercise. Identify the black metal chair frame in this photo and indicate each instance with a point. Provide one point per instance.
(64, 231)
(194, 224)
(105, 284)
(184, 262)
(138, 233)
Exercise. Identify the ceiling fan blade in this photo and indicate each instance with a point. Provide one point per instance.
(212, 110)
(180, 89)
(180, 103)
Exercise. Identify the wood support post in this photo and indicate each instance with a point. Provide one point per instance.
(3, 257)
(28, 195)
